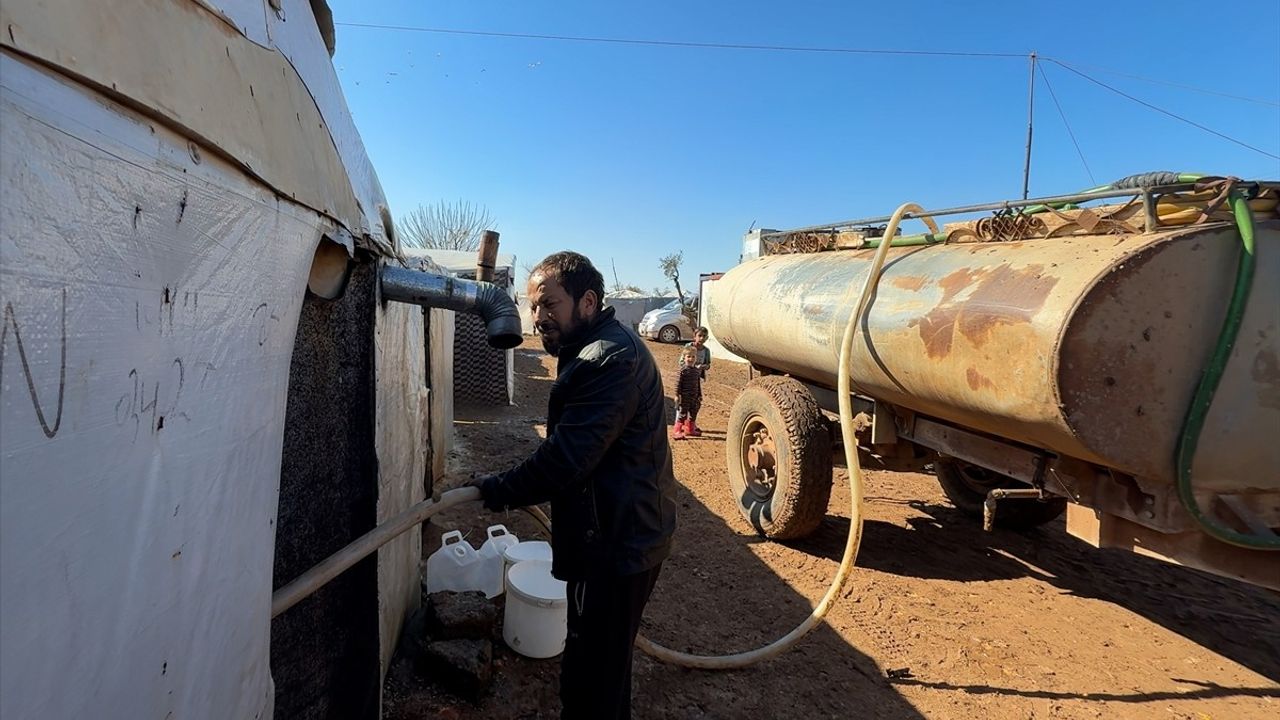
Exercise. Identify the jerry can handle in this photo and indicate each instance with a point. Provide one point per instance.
(497, 531)
(454, 535)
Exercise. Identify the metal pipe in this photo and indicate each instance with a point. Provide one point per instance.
(1031, 117)
(487, 257)
(989, 505)
(502, 320)
(1007, 205)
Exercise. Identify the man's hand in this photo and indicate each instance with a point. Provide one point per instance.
(486, 485)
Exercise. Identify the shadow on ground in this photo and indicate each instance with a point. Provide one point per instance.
(945, 544)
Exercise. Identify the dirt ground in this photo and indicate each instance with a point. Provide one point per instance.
(996, 625)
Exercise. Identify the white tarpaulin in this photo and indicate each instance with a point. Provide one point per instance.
(153, 261)
(150, 302)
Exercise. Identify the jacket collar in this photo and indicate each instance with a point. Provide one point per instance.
(602, 318)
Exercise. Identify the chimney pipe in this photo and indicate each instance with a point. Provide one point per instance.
(487, 258)
(502, 320)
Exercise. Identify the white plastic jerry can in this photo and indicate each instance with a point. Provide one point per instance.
(491, 559)
(455, 566)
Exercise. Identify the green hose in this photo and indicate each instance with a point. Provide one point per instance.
(1208, 385)
(919, 240)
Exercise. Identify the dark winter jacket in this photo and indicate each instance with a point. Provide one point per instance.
(605, 465)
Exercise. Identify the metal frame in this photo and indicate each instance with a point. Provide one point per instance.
(1148, 195)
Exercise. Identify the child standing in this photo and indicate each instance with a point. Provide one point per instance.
(702, 358)
(688, 395)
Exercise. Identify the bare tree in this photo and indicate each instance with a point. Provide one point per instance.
(671, 268)
(445, 226)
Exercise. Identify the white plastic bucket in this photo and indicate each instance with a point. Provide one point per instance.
(535, 622)
(520, 552)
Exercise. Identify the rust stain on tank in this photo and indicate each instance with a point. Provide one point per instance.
(908, 282)
(1266, 372)
(978, 381)
(1000, 296)
(953, 283)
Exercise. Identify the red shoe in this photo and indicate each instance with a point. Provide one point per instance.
(692, 430)
(678, 432)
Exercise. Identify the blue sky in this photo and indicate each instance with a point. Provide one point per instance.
(627, 153)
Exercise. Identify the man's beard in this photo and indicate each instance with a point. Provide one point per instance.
(564, 337)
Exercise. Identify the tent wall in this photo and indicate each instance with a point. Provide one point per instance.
(154, 253)
(150, 303)
(324, 652)
(631, 311)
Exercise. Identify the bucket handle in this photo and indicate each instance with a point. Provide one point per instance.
(497, 531)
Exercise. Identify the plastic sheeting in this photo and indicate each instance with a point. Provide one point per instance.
(150, 300)
(400, 438)
(182, 62)
(294, 33)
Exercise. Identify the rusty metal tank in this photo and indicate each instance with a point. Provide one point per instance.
(1087, 346)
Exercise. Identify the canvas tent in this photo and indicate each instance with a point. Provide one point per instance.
(630, 306)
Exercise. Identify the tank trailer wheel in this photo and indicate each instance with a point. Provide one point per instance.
(669, 334)
(779, 456)
(966, 485)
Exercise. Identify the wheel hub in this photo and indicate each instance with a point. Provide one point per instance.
(761, 459)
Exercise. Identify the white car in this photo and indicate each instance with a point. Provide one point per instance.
(667, 324)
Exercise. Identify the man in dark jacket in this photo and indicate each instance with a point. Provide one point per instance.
(606, 469)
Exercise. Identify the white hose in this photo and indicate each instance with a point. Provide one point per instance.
(365, 545)
(307, 583)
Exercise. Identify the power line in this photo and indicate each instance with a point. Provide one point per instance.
(1045, 77)
(1170, 83)
(795, 48)
(678, 43)
(1162, 111)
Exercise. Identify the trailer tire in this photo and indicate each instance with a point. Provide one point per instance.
(781, 480)
(966, 486)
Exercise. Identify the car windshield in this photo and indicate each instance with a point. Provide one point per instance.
(673, 305)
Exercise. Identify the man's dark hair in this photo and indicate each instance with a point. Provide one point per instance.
(573, 272)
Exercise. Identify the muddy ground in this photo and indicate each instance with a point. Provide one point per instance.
(996, 625)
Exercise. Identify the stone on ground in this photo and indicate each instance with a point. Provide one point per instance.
(460, 615)
(464, 667)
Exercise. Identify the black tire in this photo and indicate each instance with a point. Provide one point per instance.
(966, 485)
(669, 334)
(790, 500)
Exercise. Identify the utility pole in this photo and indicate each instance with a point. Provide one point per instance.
(1031, 106)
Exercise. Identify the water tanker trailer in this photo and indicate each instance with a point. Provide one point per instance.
(1114, 354)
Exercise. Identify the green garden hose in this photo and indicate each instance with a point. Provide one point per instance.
(1209, 379)
(1194, 422)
